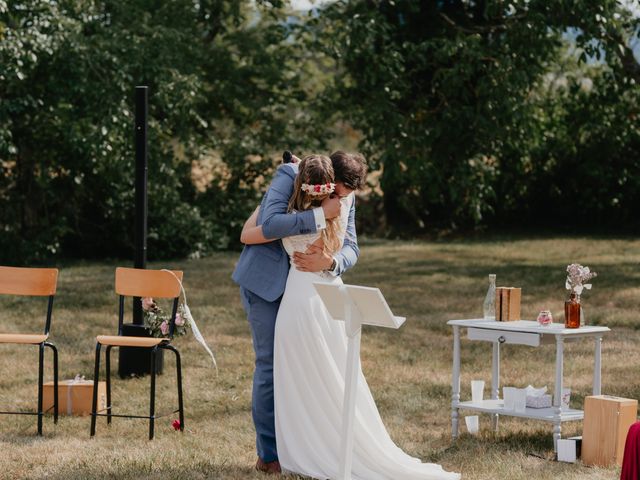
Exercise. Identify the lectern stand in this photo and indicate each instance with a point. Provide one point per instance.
(356, 306)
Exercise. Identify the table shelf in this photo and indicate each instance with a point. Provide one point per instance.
(496, 407)
(531, 334)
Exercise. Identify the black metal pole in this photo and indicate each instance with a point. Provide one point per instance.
(135, 361)
(140, 236)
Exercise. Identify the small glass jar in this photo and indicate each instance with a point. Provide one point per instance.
(545, 318)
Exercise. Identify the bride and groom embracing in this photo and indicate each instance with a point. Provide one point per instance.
(307, 220)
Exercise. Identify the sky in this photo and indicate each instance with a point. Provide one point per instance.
(305, 5)
(633, 5)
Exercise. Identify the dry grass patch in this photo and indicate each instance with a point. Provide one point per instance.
(409, 371)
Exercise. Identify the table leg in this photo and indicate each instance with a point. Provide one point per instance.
(495, 382)
(557, 400)
(597, 369)
(455, 384)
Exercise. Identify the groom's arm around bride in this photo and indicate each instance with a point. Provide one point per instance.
(263, 268)
(350, 175)
(262, 272)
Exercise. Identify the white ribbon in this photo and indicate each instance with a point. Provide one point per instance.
(196, 331)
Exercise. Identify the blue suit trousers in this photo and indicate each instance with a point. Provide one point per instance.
(262, 320)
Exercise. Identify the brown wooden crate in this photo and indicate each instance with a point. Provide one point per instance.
(606, 423)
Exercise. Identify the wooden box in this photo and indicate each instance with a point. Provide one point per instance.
(606, 423)
(74, 397)
(508, 304)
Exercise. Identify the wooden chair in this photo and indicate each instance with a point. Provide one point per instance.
(34, 282)
(132, 282)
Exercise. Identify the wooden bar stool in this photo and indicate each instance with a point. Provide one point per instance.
(132, 282)
(33, 282)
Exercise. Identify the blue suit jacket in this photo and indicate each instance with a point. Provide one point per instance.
(263, 269)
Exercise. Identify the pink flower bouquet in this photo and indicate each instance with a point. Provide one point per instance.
(577, 275)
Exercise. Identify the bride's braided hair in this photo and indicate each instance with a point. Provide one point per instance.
(316, 170)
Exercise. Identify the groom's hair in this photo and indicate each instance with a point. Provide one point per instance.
(350, 169)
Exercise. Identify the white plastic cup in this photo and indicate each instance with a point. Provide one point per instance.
(566, 398)
(477, 390)
(509, 395)
(473, 424)
(520, 400)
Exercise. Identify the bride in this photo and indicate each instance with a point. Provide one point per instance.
(310, 360)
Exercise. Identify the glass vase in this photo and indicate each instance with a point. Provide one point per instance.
(489, 305)
(572, 312)
(582, 320)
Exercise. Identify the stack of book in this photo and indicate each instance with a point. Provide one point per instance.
(508, 304)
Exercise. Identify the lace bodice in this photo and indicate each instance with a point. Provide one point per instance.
(299, 243)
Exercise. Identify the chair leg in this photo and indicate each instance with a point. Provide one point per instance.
(108, 368)
(40, 385)
(179, 381)
(55, 380)
(94, 404)
(152, 406)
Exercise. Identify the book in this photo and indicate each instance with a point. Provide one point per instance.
(515, 295)
(504, 303)
(508, 301)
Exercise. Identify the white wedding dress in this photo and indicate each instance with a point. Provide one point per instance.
(308, 372)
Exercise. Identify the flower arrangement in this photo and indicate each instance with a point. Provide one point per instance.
(319, 189)
(577, 275)
(157, 321)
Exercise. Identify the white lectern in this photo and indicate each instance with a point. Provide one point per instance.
(356, 306)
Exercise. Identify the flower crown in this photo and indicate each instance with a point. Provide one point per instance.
(318, 189)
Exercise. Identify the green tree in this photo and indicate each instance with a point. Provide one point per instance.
(446, 94)
(223, 84)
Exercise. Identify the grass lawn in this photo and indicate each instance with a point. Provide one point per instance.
(409, 370)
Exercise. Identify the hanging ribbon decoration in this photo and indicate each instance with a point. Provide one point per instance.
(196, 331)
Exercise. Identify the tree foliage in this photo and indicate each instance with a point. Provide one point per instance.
(472, 113)
(222, 86)
(453, 102)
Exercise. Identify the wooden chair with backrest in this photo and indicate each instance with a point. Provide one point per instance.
(33, 282)
(133, 282)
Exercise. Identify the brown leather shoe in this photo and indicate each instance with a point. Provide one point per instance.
(269, 468)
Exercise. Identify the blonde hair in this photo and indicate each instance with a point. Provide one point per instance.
(316, 170)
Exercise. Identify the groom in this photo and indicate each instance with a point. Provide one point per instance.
(262, 272)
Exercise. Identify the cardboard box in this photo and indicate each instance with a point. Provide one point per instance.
(74, 397)
(508, 301)
(606, 423)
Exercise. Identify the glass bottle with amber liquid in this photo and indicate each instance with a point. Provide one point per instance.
(572, 312)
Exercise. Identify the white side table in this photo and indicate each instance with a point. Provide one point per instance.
(529, 333)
